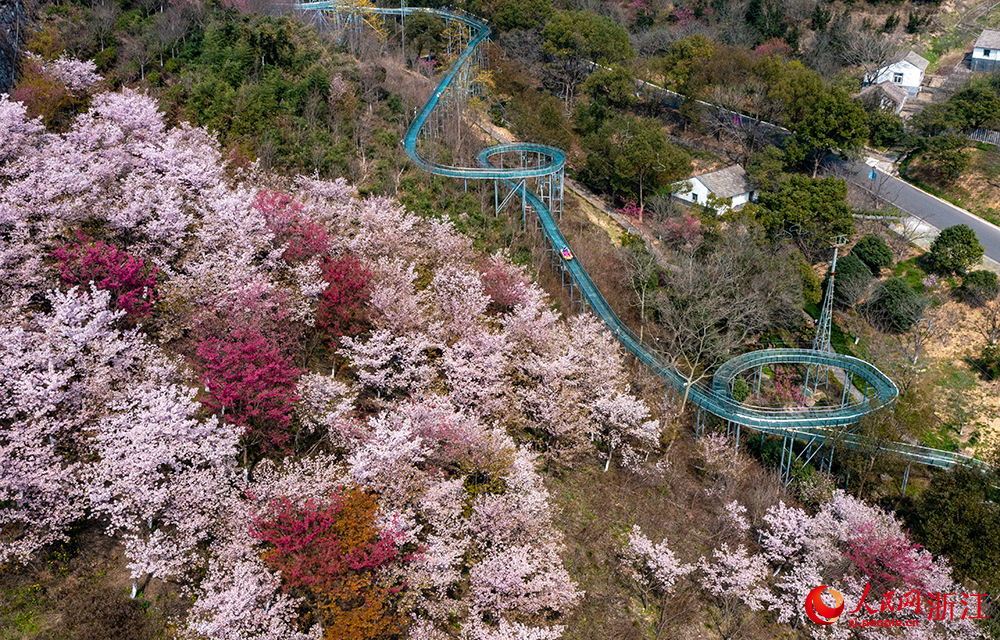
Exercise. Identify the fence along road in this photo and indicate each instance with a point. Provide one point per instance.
(807, 424)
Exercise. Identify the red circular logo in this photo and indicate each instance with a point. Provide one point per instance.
(815, 607)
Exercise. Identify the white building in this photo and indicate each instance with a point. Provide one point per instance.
(730, 183)
(908, 73)
(986, 51)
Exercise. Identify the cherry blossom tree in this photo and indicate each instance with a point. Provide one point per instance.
(621, 422)
(654, 569)
(390, 364)
(238, 599)
(301, 237)
(58, 375)
(504, 282)
(157, 468)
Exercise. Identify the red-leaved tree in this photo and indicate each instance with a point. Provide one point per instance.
(332, 554)
(887, 558)
(132, 286)
(252, 385)
(304, 238)
(342, 306)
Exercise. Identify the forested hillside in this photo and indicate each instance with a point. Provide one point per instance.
(261, 378)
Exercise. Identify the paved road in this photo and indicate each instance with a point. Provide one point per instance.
(933, 211)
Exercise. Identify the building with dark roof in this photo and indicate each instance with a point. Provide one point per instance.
(986, 51)
(730, 184)
(884, 95)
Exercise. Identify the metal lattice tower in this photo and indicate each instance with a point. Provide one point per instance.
(825, 328)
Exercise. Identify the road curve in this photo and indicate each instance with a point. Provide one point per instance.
(936, 212)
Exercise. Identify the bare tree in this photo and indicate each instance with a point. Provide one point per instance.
(870, 51)
(909, 230)
(990, 328)
(170, 27)
(141, 53)
(741, 117)
(868, 455)
(641, 274)
(712, 304)
(103, 20)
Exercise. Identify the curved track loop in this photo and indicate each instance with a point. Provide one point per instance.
(822, 424)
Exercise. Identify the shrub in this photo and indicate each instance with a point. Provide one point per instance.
(979, 286)
(101, 613)
(42, 94)
(851, 281)
(956, 249)
(874, 252)
(894, 307)
(741, 390)
(989, 360)
(105, 59)
(110, 268)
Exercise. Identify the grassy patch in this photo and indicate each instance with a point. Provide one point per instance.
(20, 609)
(910, 271)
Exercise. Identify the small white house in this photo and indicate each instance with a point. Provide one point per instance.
(986, 51)
(731, 182)
(908, 73)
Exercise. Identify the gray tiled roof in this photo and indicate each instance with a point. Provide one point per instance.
(726, 183)
(988, 39)
(917, 60)
(894, 92)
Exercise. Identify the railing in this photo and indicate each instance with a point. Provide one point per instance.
(801, 423)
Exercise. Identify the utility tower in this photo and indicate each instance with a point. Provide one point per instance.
(823, 330)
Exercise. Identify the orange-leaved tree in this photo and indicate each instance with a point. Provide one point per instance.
(335, 556)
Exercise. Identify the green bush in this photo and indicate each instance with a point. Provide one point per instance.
(741, 390)
(989, 360)
(979, 286)
(105, 59)
(956, 249)
(884, 128)
(153, 78)
(894, 307)
(851, 281)
(874, 252)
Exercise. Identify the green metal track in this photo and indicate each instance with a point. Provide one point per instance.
(800, 423)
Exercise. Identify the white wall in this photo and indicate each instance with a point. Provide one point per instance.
(701, 191)
(698, 193)
(912, 76)
(978, 52)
